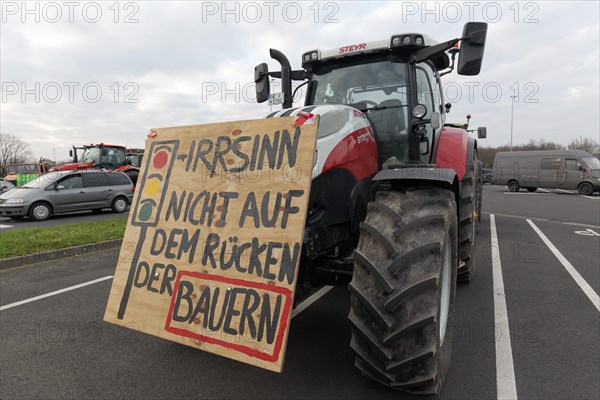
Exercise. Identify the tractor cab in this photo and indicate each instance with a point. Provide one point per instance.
(104, 156)
(394, 83)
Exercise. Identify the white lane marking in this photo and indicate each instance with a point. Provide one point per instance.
(43, 296)
(545, 219)
(587, 232)
(308, 302)
(505, 370)
(587, 289)
(5, 226)
(544, 190)
(590, 197)
(530, 193)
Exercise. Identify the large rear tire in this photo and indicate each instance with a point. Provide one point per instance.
(133, 174)
(403, 289)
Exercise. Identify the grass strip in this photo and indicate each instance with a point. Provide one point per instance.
(22, 242)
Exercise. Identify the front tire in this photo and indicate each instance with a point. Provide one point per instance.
(403, 289)
(585, 188)
(514, 186)
(40, 211)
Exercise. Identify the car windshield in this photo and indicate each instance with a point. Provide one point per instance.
(42, 181)
(592, 163)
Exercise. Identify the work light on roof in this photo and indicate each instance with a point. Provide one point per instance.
(309, 56)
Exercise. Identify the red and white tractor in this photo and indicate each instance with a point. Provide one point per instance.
(394, 196)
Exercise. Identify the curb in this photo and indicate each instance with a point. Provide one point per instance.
(54, 255)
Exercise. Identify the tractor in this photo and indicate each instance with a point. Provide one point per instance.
(393, 205)
(102, 156)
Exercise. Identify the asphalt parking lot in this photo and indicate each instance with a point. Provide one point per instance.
(526, 327)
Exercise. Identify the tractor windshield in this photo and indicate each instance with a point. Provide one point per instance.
(376, 86)
(112, 158)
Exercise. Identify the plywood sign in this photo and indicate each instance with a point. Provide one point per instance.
(210, 255)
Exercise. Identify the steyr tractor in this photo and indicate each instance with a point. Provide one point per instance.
(392, 208)
(102, 156)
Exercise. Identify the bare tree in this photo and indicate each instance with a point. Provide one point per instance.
(12, 150)
(586, 144)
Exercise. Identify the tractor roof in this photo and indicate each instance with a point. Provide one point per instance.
(408, 40)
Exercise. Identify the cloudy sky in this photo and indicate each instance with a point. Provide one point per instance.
(89, 72)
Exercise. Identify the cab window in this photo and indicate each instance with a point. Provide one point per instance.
(573, 165)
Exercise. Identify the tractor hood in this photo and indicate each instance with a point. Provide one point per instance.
(344, 136)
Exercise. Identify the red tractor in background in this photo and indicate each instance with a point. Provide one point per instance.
(393, 205)
(101, 156)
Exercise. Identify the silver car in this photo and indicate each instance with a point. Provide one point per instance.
(66, 191)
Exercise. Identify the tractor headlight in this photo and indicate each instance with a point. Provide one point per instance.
(419, 111)
(406, 40)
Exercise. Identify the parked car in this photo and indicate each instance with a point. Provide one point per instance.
(5, 186)
(555, 169)
(67, 191)
(488, 177)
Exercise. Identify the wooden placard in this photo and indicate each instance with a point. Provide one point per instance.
(211, 250)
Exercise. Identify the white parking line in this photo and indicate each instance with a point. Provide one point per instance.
(5, 226)
(43, 296)
(505, 370)
(309, 301)
(587, 289)
(566, 191)
(544, 190)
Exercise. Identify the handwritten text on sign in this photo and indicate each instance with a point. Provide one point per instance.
(211, 252)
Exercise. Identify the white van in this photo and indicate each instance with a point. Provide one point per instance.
(556, 169)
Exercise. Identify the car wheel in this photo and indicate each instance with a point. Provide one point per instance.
(513, 186)
(40, 211)
(119, 205)
(585, 188)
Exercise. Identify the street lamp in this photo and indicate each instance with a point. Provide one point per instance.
(54, 150)
(512, 107)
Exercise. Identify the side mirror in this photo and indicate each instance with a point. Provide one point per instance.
(59, 187)
(481, 132)
(261, 79)
(471, 48)
(71, 153)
